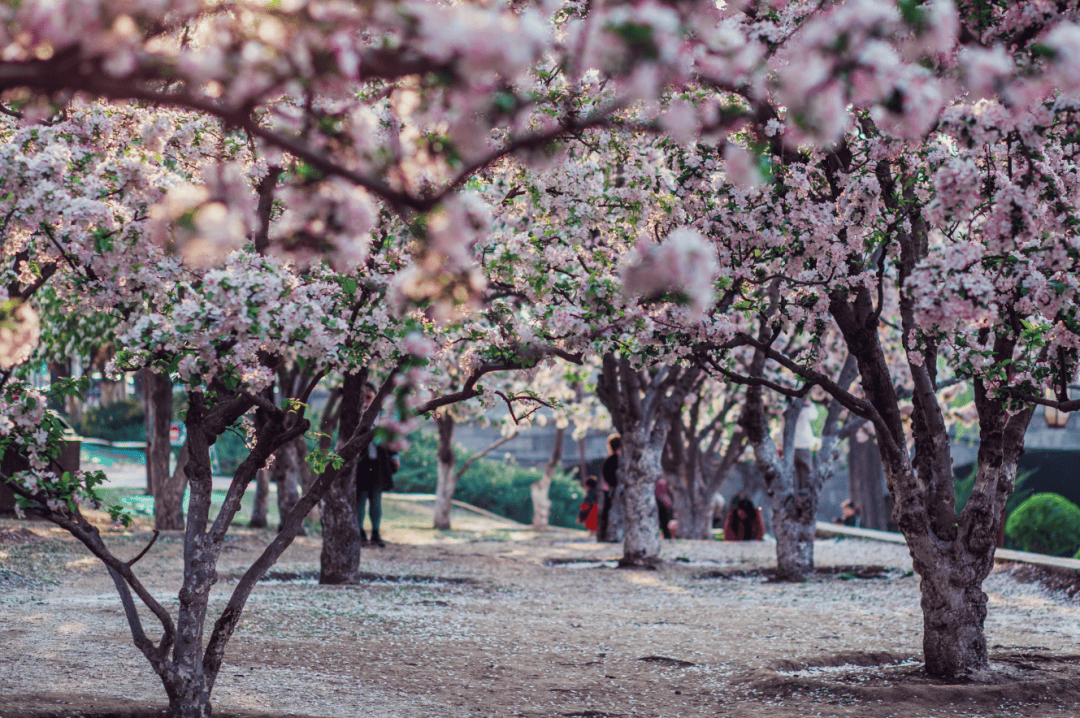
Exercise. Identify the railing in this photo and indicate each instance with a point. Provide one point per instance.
(1002, 554)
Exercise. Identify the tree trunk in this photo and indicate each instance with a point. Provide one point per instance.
(794, 525)
(866, 483)
(639, 466)
(189, 700)
(262, 500)
(74, 405)
(794, 502)
(188, 683)
(285, 473)
(615, 531)
(447, 476)
(692, 512)
(954, 611)
(643, 407)
(539, 489)
(167, 488)
(952, 572)
(340, 558)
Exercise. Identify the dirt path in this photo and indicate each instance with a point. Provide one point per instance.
(492, 620)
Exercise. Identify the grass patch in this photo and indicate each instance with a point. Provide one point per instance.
(142, 506)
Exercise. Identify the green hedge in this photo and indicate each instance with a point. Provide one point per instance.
(1046, 523)
(122, 420)
(501, 487)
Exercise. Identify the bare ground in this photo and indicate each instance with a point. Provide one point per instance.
(493, 620)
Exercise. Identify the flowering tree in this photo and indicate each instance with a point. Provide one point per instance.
(221, 331)
(947, 234)
(405, 103)
(643, 406)
(794, 499)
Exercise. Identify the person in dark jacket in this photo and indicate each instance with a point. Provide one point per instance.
(374, 475)
(609, 471)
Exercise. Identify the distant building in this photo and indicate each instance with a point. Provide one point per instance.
(533, 446)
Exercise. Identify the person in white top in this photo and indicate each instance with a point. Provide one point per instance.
(804, 442)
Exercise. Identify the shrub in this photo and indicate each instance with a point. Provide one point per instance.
(1046, 523)
(501, 487)
(122, 420)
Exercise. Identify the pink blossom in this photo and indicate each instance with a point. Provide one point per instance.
(741, 167)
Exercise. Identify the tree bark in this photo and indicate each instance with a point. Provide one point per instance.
(340, 558)
(167, 488)
(450, 473)
(643, 407)
(539, 489)
(447, 476)
(954, 612)
(952, 572)
(794, 526)
(794, 505)
(190, 700)
(261, 503)
(951, 553)
(615, 529)
(188, 684)
(639, 465)
(794, 511)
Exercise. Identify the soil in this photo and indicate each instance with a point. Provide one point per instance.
(493, 619)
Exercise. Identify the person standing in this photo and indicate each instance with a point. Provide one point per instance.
(804, 443)
(374, 475)
(609, 472)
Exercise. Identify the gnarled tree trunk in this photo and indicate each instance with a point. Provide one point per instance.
(340, 558)
(794, 505)
(261, 503)
(167, 488)
(793, 511)
(639, 466)
(952, 564)
(447, 477)
(642, 407)
(450, 473)
(952, 552)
